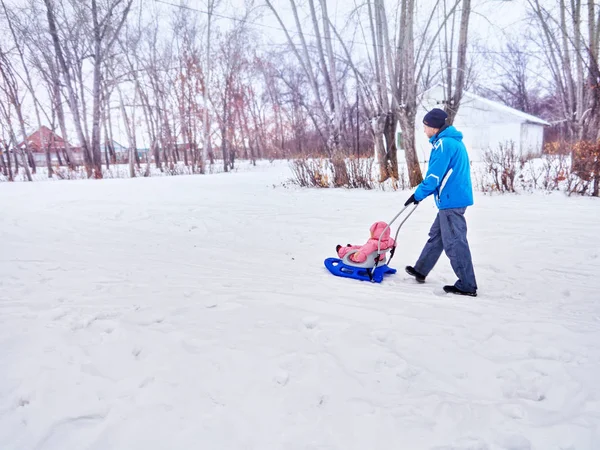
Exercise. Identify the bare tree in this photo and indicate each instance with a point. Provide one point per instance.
(330, 116)
(517, 82)
(107, 23)
(410, 67)
(188, 88)
(103, 27)
(206, 141)
(34, 33)
(456, 73)
(10, 87)
(64, 68)
(274, 75)
(398, 68)
(5, 148)
(138, 47)
(570, 38)
(28, 82)
(230, 64)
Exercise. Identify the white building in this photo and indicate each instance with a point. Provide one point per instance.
(484, 124)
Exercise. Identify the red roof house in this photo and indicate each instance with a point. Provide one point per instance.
(51, 139)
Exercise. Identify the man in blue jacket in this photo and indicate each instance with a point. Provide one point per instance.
(449, 180)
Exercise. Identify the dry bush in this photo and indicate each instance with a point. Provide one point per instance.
(360, 173)
(555, 171)
(340, 175)
(392, 184)
(501, 167)
(569, 167)
(403, 181)
(530, 173)
(585, 166)
(352, 172)
(66, 173)
(310, 172)
(177, 169)
(573, 168)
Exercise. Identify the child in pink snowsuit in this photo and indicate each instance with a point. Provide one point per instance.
(371, 245)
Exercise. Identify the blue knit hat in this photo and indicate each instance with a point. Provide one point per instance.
(436, 118)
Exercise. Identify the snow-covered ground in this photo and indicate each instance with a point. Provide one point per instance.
(194, 312)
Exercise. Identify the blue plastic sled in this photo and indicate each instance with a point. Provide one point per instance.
(337, 267)
(364, 272)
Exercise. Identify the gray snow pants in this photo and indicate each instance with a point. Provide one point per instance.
(449, 233)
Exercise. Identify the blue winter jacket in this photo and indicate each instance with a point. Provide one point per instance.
(449, 173)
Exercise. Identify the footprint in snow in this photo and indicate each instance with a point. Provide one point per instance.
(381, 335)
(22, 402)
(513, 411)
(146, 381)
(310, 322)
(525, 392)
(439, 293)
(528, 387)
(282, 377)
(60, 316)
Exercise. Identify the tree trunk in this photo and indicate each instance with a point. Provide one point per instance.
(15, 154)
(246, 127)
(58, 157)
(9, 166)
(97, 75)
(155, 150)
(206, 140)
(378, 129)
(593, 75)
(461, 63)
(64, 68)
(391, 147)
(407, 92)
(224, 137)
(150, 125)
(107, 135)
(386, 153)
(129, 133)
(407, 123)
(60, 114)
(26, 161)
(6, 73)
(6, 164)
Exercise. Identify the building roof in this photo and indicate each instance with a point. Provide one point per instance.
(44, 133)
(505, 108)
(497, 105)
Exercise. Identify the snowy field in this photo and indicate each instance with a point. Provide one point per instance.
(194, 312)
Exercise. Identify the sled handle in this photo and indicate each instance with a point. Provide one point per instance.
(397, 231)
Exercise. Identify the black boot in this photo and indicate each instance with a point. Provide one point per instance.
(412, 272)
(454, 290)
(337, 248)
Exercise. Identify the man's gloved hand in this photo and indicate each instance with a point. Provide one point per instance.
(410, 200)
